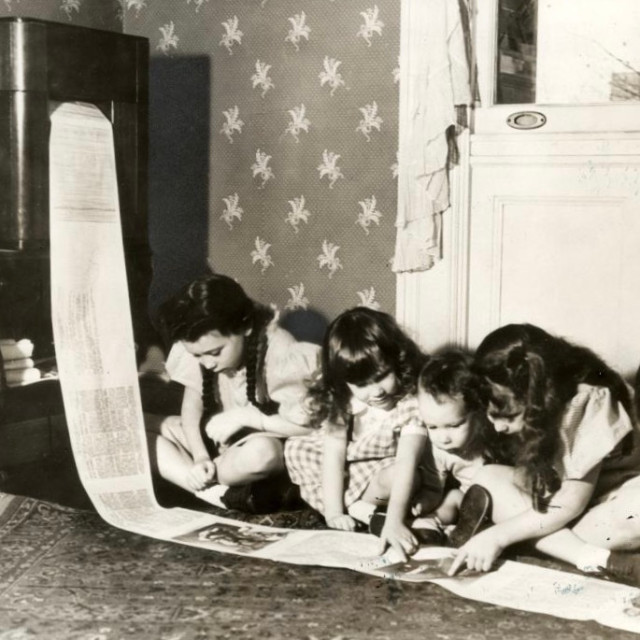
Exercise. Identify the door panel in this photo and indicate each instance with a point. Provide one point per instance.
(556, 241)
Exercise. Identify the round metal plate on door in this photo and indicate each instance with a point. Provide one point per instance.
(526, 120)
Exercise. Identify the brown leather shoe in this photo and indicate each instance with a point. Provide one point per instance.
(430, 537)
(263, 496)
(377, 522)
(623, 566)
(475, 515)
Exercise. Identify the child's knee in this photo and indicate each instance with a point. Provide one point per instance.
(171, 429)
(494, 476)
(626, 512)
(261, 455)
(154, 423)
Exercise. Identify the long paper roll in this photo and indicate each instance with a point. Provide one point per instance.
(97, 367)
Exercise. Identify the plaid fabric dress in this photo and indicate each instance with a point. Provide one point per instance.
(372, 449)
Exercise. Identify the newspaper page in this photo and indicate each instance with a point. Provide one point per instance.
(96, 360)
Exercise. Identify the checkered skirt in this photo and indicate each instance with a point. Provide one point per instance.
(366, 457)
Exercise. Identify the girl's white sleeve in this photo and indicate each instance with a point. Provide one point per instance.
(290, 366)
(592, 425)
(182, 367)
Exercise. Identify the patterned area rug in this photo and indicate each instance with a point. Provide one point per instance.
(66, 574)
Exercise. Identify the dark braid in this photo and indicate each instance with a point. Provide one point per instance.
(255, 354)
(210, 394)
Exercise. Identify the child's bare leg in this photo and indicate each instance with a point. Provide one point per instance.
(614, 524)
(375, 495)
(603, 527)
(447, 511)
(168, 451)
(427, 492)
(251, 460)
(379, 489)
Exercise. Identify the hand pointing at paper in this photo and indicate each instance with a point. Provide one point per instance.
(479, 553)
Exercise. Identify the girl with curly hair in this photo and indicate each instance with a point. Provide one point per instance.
(245, 381)
(574, 487)
(362, 404)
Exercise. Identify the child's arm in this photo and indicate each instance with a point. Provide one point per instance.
(203, 468)
(567, 504)
(395, 532)
(333, 460)
(224, 425)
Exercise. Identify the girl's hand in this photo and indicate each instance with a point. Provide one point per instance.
(479, 553)
(399, 537)
(342, 521)
(222, 426)
(201, 473)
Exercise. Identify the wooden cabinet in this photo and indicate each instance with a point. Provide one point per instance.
(41, 64)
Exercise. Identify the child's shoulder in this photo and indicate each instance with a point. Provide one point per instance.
(588, 394)
(285, 354)
(595, 407)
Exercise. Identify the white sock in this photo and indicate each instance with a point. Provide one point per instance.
(213, 495)
(592, 558)
(361, 510)
(427, 523)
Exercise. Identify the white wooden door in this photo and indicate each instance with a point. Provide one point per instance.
(554, 217)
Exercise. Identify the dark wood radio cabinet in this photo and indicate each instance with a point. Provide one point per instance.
(43, 63)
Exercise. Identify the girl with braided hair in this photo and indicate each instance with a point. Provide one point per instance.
(244, 383)
(574, 485)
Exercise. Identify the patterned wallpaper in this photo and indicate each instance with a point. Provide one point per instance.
(303, 138)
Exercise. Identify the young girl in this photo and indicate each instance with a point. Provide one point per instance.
(362, 401)
(245, 384)
(455, 438)
(575, 486)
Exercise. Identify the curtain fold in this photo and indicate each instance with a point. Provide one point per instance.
(434, 80)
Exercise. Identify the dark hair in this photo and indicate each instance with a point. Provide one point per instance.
(359, 345)
(543, 373)
(218, 303)
(449, 374)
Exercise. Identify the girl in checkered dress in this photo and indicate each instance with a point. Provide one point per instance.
(361, 405)
(574, 487)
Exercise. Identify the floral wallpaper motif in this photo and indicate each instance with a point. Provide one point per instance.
(303, 137)
(303, 164)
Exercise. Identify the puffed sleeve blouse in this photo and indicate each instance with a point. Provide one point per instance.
(592, 428)
(289, 365)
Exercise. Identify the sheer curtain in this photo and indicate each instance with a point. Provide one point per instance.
(434, 80)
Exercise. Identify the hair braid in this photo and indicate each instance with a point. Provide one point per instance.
(255, 354)
(210, 396)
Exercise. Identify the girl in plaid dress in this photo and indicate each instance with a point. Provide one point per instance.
(361, 405)
(574, 489)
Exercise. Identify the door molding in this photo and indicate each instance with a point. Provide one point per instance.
(432, 305)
